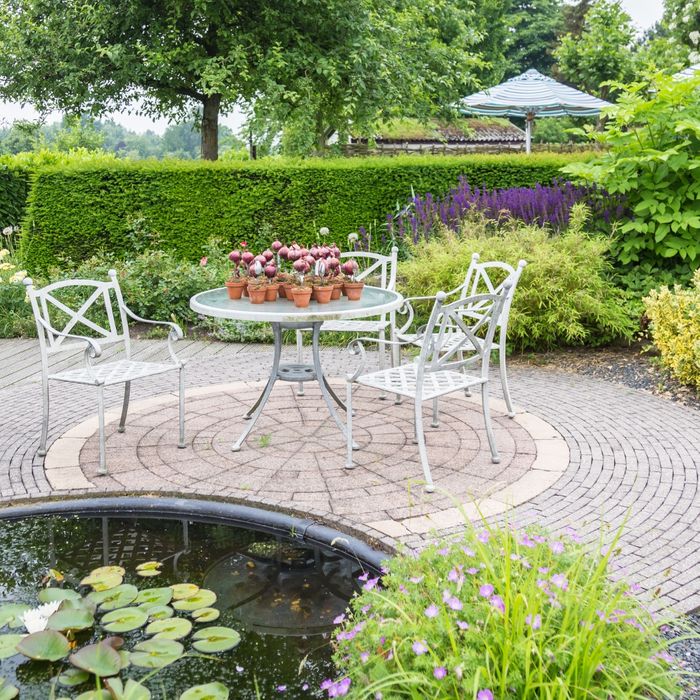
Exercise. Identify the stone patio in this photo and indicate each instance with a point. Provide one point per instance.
(580, 452)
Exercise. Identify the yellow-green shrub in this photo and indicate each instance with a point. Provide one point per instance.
(565, 295)
(675, 328)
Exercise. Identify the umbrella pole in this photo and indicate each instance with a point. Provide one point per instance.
(528, 131)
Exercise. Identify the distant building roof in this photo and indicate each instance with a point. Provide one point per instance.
(465, 131)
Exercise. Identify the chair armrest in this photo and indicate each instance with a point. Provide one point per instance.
(93, 349)
(356, 347)
(174, 335)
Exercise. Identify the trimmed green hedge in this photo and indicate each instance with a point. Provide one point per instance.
(14, 184)
(77, 210)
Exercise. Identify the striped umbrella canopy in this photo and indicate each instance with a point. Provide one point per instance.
(532, 95)
(688, 73)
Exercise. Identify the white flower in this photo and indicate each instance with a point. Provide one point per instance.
(35, 620)
(324, 230)
(18, 276)
(694, 37)
(353, 238)
(7, 266)
(4, 252)
(8, 231)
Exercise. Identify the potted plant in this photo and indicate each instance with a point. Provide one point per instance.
(256, 283)
(336, 278)
(352, 286)
(322, 284)
(272, 285)
(246, 259)
(237, 282)
(301, 291)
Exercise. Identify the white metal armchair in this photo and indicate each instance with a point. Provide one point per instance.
(114, 330)
(481, 277)
(383, 268)
(438, 370)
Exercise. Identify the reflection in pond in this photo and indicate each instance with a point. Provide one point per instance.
(281, 595)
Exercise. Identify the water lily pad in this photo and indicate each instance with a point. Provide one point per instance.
(47, 645)
(210, 691)
(72, 677)
(157, 612)
(124, 619)
(103, 583)
(113, 598)
(213, 639)
(70, 619)
(8, 645)
(95, 695)
(201, 599)
(149, 568)
(174, 628)
(7, 691)
(155, 596)
(11, 614)
(108, 571)
(133, 690)
(48, 595)
(100, 659)
(184, 590)
(205, 615)
(156, 653)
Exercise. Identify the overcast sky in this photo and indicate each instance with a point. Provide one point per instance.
(644, 13)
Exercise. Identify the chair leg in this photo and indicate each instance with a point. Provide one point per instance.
(467, 389)
(436, 414)
(495, 458)
(504, 382)
(125, 407)
(102, 468)
(420, 437)
(45, 416)
(181, 418)
(382, 357)
(349, 464)
(300, 360)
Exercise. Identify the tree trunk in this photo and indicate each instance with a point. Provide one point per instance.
(210, 127)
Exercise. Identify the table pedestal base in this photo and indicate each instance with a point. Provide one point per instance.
(296, 372)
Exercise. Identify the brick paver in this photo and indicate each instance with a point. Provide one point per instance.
(633, 458)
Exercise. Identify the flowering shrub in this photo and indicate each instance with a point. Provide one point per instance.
(501, 613)
(675, 328)
(13, 307)
(543, 205)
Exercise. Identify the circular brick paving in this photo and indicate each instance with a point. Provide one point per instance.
(633, 461)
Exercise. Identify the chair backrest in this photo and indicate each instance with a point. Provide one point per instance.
(383, 266)
(457, 339)
(93, 308)
(489, 278)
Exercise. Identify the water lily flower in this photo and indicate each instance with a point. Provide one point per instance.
(439, 672)
(36, 619)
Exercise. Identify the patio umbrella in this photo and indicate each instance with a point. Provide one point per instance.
(689, 72)
(532, 95)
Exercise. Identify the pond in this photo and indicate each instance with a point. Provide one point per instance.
(280, 593)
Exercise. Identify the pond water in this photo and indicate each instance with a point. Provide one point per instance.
(281, 595)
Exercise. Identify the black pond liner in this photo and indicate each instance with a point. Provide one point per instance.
(214, 512)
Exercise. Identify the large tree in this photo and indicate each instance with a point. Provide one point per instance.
(339, 61)
(602, 51)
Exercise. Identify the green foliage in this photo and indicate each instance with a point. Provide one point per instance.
(14, 185)
(602, 51)
(564, 297)
(683, 20)
(521, 614)
(653, 139)
(77, 210)
(675, 328)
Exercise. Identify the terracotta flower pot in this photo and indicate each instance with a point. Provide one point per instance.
(353, 290)
(271, 292)
(337, 292)
(323, 294)
(302, 296)
(256, 294)
(245, 290)
(313, 294)
(287, 288)
(235, 288)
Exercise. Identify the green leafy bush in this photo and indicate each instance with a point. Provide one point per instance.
(653, 140)
(502, 614)
(675, 328)
(14, 184)
(565, 295)
(77, 209)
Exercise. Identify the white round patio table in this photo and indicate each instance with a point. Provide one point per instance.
(283, 315)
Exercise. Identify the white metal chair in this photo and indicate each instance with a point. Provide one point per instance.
(481, 277)
(383, 268)
(438, 370)
(115, 330)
